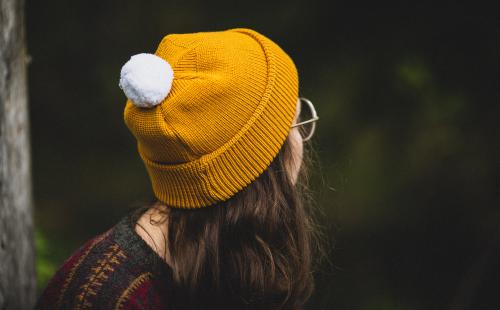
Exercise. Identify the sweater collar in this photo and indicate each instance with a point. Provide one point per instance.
(140, 253)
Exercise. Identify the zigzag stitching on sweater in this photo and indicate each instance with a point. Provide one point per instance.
(99, 275)
(74, 268)
(132, 287)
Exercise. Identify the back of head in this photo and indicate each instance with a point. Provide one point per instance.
(215, 142)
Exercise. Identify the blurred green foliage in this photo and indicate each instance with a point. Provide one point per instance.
(407, 140)
(46, 265)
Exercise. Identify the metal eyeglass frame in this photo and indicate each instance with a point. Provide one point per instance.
(312, 120)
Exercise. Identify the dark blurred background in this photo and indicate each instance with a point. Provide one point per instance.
(408, 139)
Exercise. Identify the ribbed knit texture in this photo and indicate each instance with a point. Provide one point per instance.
(229, 111)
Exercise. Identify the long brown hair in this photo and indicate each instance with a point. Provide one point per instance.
(254, 251)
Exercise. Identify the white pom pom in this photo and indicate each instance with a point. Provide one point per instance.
(146, 79)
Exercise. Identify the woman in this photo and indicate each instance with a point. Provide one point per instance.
(220, 129)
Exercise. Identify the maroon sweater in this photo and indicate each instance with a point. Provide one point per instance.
(115, 270)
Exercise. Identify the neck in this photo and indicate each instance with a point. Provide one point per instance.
(152, 228)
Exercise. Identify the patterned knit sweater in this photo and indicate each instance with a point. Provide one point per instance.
(115, 270)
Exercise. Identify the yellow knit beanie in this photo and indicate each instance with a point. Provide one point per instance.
(210, 111)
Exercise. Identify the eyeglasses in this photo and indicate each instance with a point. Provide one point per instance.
(307, 119)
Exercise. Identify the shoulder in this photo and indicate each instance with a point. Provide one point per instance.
(110, 271)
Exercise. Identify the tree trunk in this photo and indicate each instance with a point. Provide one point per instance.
(17, 268)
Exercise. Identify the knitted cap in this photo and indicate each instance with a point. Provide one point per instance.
(226, 114)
